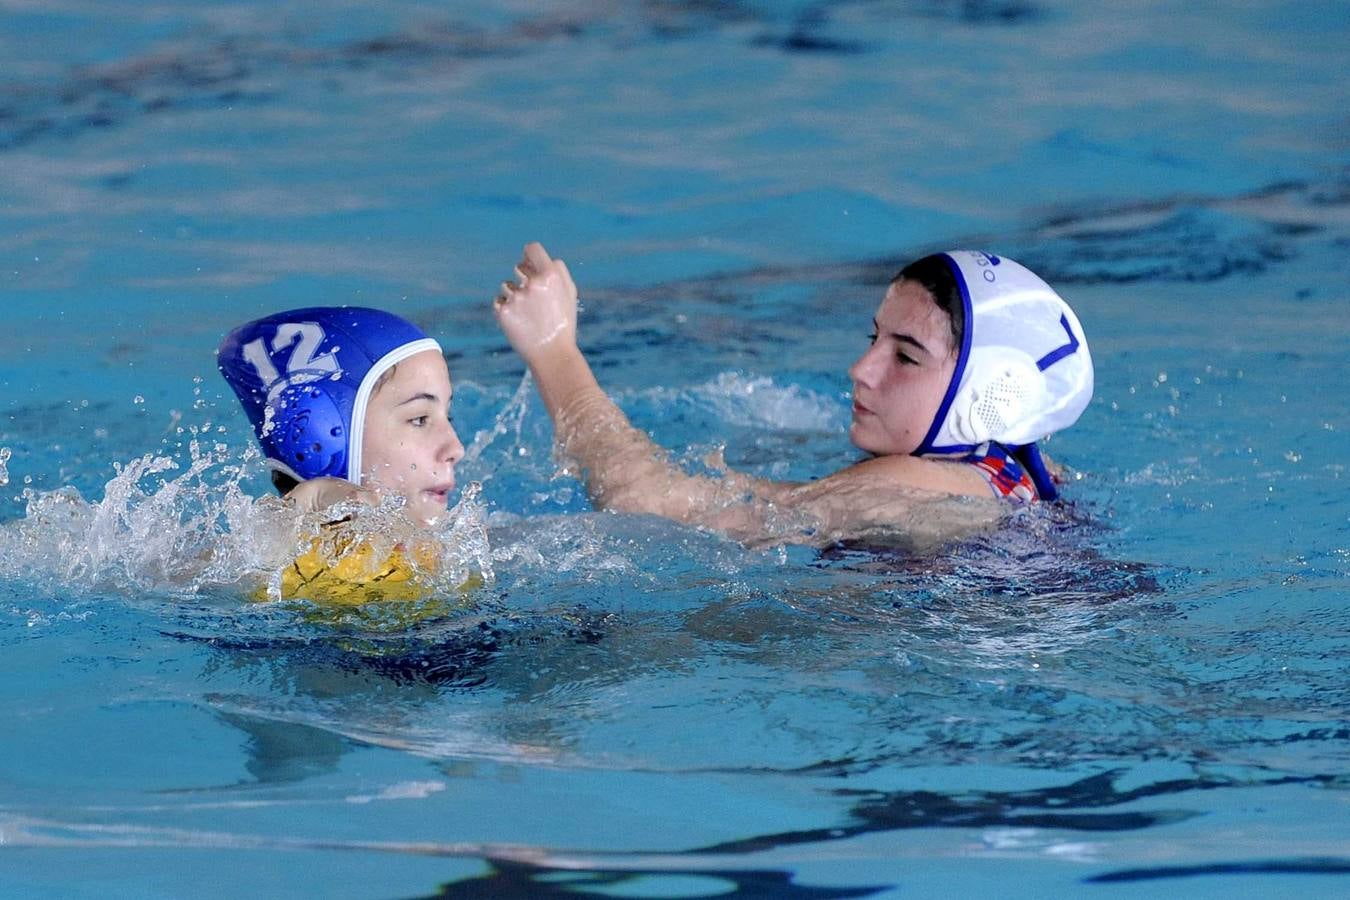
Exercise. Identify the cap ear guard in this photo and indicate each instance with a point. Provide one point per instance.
(306, 431)
(1002, 387)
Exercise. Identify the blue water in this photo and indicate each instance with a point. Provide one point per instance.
(1144, 694)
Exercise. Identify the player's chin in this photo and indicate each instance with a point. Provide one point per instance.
(431, 504)
(863, 437)
(873, 440)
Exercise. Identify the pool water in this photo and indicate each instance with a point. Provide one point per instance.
(1141, 694)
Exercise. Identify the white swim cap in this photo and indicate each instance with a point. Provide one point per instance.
(1024, 370)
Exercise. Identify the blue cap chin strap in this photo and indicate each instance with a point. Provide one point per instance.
(1029, 455)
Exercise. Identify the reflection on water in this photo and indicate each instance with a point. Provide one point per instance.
(1084, 805)
(515, 879)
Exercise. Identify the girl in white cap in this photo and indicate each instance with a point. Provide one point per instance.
(973, 359)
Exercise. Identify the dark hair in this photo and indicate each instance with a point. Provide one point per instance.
(935, 274)
(283, 482)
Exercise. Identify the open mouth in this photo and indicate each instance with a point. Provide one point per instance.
(440, 494)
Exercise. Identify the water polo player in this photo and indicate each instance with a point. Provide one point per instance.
(348, 402)
(973, 360)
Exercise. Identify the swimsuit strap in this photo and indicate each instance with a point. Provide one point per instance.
(1008, 477)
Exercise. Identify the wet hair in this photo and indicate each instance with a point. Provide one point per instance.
(383, 379)
(934, 273)
(285, 483)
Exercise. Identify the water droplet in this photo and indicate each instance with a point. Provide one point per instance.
(138, 400)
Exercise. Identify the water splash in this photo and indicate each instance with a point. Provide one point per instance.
(512, 418)
(759, 402)
(199, 531)
(4, 466)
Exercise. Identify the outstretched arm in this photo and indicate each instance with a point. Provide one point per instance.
(622, 467)
(625, 471)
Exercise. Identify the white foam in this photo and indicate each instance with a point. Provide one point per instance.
(165, 527)
(757, 401)
(404, 790)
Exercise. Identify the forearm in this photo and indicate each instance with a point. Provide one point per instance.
(622, 467)
(625, 471)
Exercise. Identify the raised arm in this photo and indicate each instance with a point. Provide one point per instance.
(622, 467)
(625, 471)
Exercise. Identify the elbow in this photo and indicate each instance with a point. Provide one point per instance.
(626, 498)
(640, 497)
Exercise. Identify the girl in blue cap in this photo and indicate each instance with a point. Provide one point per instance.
(973, 359)
(346, 403)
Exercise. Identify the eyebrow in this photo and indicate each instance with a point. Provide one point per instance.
(903, 338)
(421, 396)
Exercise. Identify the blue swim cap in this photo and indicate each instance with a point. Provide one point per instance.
(305, 377)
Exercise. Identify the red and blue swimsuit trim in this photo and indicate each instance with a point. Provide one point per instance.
(1007, 475)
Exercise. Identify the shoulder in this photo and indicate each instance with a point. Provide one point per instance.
(895, 501)
(321, 493)
(911, 472)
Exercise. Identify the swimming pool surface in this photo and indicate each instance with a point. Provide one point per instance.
(1142, 695)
